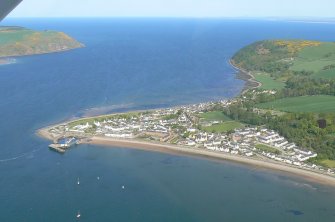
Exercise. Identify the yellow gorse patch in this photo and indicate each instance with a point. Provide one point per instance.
(296, 46)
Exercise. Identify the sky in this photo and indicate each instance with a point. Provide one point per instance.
(175, 8)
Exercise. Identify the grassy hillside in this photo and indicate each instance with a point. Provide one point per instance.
(283, 59)
(17, 41)
(268, 83)
(303, 75)
(316, 104)
(320, 60)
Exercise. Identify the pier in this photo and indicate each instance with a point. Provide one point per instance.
(57, 148)
(62, 144)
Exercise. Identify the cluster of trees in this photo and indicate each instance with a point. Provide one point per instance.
(299, 86)
(329, 67)
(303, 129)
(300, 128)
(295, 86)
(270, 57)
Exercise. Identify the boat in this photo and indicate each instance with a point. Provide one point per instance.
(78, 214)
(78, 181)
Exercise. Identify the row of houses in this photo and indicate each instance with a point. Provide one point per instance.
(180, 121)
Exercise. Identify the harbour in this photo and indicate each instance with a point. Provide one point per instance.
(43, 90)
(62, 144)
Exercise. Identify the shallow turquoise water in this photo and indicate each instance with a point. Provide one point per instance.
(135, 64)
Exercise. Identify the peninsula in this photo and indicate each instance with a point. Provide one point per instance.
(18, 41)
(258, 127)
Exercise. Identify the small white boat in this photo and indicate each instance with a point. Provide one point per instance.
(78, 214)
(78, 181)
(123, 187)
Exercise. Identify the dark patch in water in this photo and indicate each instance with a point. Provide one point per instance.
(295, 212)
(168, 160)
(228, 177)
(259, 178)
(185, 166)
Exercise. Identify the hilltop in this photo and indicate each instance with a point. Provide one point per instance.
(296, 96)
(18, 41)
(282, 59)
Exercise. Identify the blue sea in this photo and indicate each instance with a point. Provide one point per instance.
(131, 64)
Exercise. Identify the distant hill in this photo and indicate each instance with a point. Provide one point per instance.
(18, 41)
(285, 58)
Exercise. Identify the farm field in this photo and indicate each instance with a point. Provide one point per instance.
(325, 74)
(268, 83)
(328, 163)
(317, 104)
(215, 116)
(223, 127)
(315, 59)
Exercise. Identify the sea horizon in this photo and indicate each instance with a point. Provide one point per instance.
(130, 64)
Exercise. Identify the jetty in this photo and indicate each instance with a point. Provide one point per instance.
(56, 147)
(62, 144)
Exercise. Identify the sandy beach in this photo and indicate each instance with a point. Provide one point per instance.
(178, 150)
(291, 170)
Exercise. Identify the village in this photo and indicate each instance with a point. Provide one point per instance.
(183, 126)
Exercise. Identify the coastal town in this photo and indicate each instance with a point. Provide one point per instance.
(186, 127)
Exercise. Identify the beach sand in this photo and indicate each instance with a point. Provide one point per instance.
(308, 175)
(178, 150)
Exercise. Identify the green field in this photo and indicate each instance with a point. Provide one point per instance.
(18, 34)
(325, 74)
(266, 148)
(324, 51)
(215, 116)
(312, 66)
(328, 163)
(14, 35)
(268, 83)
(223, 127)
(276, 57)
(315, 59)
(317, 104)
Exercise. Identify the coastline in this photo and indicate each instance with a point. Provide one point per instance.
(309, 175)
(9, 57)
(250, 81)
(7, 61)
(185, 151)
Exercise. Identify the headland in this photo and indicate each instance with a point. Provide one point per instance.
(242, 129)
(19, 41)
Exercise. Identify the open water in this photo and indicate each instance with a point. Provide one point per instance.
(130, 64)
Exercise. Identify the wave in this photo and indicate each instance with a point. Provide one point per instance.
(28, 154)
(105, 109)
